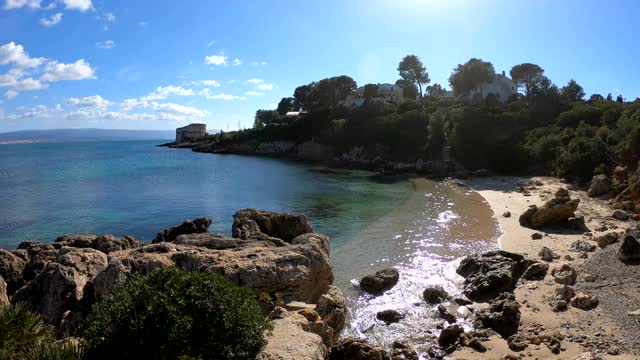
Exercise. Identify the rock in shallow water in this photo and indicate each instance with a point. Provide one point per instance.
(357, 349)
(390, 316)
(435, 294)
(380, 282)
(200, 225)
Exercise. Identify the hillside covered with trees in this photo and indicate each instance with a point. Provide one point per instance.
(542, 129)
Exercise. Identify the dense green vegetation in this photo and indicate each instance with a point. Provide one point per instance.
(543, 130)
(171, 314)
(25, 336)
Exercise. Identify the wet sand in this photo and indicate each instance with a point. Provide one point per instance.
(596, 326)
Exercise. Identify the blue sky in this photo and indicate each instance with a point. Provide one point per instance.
(160, 64)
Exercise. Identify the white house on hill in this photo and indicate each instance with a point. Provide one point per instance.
(500, 85)
(389, 92)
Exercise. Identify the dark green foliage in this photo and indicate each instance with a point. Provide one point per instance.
(436, 90)
(468, 76)
(581, 157)
(265, 118)
(285, 105)
(572, 91)
(170, 313)
(528, 77)
(370, 91)
(25, 335)
(326, 94)
(409, 89)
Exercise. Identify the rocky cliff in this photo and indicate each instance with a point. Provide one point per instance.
(275, 254)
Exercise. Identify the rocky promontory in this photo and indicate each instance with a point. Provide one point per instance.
(276, 254)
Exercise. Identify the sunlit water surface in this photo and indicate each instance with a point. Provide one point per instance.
(420, 227)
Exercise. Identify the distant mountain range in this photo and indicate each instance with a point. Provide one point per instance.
(86, 135)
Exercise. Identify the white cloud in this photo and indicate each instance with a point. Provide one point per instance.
(29, 84)
(143, 24)
(236, 62)
(223, 96)
(96, 101)
(216, 60)
(15, 4)
(12, 53)
(163, 92)
(253, 93)
(51, 21)
(212, 83)
(255, 81)
(258, 63)
(265, 86)
(79, 70)
(106, 44)
(211, 43)
(10, 94)
(80, 5)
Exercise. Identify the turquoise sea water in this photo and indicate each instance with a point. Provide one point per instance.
(136, 188)
(420, 227)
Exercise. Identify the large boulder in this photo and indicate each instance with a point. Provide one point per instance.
(435, 294)
(290, 341)
(332, 308)
(11, 268)
(200, 225)
(61, 285)
(554, 212)
(380, 282)
(492, 273)
(450, 335)
(283, 226)
(565, 275)
(106, 243)
(600, 185)
(629, 251)
(357, 349)
(503, 315)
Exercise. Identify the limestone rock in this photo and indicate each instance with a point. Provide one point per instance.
(332, 308)
(313, 151)
(200, 225)
(380, 282)
(283, 226)
(39, 256)
(584, 301)
(105, 243)
(503, 315)
(566, 275)
(547, 254)
(554, 212)
(289, 341)
(390, 316)
(11, 268)
(435, 294)
(489, 274)
(629, 250)
(600, 185)
(403, 351)
(444, 314)
(4, 299)
(275, 147)
(357, 349)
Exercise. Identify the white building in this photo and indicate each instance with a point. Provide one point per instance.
(389, 92)
(500, 85)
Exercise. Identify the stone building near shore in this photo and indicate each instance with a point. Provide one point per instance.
(190, 132)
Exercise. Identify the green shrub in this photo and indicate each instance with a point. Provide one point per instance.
(581, 157)
(169, 313)
(25, 336)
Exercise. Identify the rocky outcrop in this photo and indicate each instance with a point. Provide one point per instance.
(380, 282)
(11, 268)
(275, 148)
(63, 279)
(629, 251)
(4, 299)
(390, 316)
(357, 349)
(248, 223)
(554, 212)
(197, 226)
(313, 151)
(492, 273)
(600, 185)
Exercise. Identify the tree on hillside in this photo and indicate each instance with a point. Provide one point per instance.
(470, 75)
(299, 96)
(596, 97)
(409, 89)
(526, 76)
(265, 118)
(412, 69)
(436, 90)
(370, 91)
(572, 91)
(285, 105)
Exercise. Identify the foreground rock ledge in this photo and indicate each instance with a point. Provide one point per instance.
(272, 253)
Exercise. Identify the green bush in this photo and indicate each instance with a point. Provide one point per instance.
(25, 336)
(581, 157)
(169, 313)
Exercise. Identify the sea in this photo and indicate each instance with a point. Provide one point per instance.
(421, 227)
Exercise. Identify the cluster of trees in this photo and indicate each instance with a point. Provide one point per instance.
(543, 128)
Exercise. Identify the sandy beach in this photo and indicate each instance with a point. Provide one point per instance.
(606, 330)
